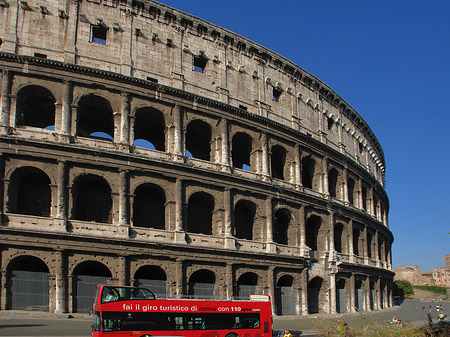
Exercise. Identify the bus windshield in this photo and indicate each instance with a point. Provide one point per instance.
(113, 294)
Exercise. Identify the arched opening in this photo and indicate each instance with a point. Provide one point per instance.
(29, 192)
(341, 296)
(356, 234)
(308, 169)
(95, 118)
(241, 150)
(28, 284)
(199, 213)
(198, 140)
(277, 161)
(359, 298)
(369, 245)
(86, 276)
(247, 284)
(153, 278)
(372, 295)
(314, 294)
(149, 126)
(202, 284)
(285, 297)
(333, 175)
(351, 191)
(92, 199)
(338, 230)
(281, 222)
(313, 224)
(244, 215)
(35, 107)
(364, 198)
(149, 207)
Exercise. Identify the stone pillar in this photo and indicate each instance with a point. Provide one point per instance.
(179, 277)
(178, 138)
(364, 252)
(225, 150)
(325, 189)
(229, 241)
(351, 251)
(122, 269)
(271, 285)
(60, 298)
(298, 164)
(265, 171)
(332, 294)
(61, 214)
(304, 295)
(371, 206)
(125, 120)
(179, 236)
(331, 231)
(351, 305)
(66, 113)
(270, 245)
(123, 229)
(5, 102)
(229, 280)
(345, 176)
(4, 289)
(360, 196)
(304, 250)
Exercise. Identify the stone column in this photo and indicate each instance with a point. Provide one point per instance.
(325, 189)
(270, 245)
(298, 164)
(304, 250)
(229, 280)
(61, 214)
(5, 102)
(360, 196)
(229, 241)
(331, 231)
(179, 202)
(125, 120)
(351, 297)
(351, 251)
(4, 289)
(123, 203)
(332, 294)
(122, 267)
(179, 277)
(60, 298)
(345, 178)
(364, 252)
(178, 138)
(265, 171)
(225, 150)
(66, 115)
(304, 295)
(271, 285)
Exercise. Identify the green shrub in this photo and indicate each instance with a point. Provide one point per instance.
(433, 289)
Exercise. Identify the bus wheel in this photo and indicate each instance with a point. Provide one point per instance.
(232, 335)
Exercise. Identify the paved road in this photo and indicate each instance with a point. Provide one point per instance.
(20, 323)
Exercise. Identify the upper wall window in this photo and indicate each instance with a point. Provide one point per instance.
(200, 63)
(276, 94)
(99, 34)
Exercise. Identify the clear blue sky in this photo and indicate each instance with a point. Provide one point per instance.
(390, 60)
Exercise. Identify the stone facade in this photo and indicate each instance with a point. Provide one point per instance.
(142, 145)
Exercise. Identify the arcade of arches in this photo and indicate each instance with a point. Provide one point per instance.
(76, 213)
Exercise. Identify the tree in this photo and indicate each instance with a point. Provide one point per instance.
(403, 289)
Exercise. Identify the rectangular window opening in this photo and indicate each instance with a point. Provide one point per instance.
(200, 63)
(42, 56)
(99, 35)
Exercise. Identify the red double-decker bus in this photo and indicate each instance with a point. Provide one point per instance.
(129, 311)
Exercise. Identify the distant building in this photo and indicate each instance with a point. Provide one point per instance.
(438, 276)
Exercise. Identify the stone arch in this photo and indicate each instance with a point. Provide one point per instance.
(244, 216)
(241, 151)
(149, 206)
(308, 172)
(92, 199)
(85, 278)
(313, 227)
(95, 117)
(281, 222)
(338, 237)
(285, 296)
(27, 283)
(277, 161)
(359, 295)
(357, 247)
(352, 193)
(341, 296)
(152, 277)
(35, 107)
(149, 128)
(335, 184)
(247, 284)
(29, 192)
(316, 294)
(202, 284)
(200, 213)
(198, 139)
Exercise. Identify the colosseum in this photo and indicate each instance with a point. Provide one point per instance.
(141, 145)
